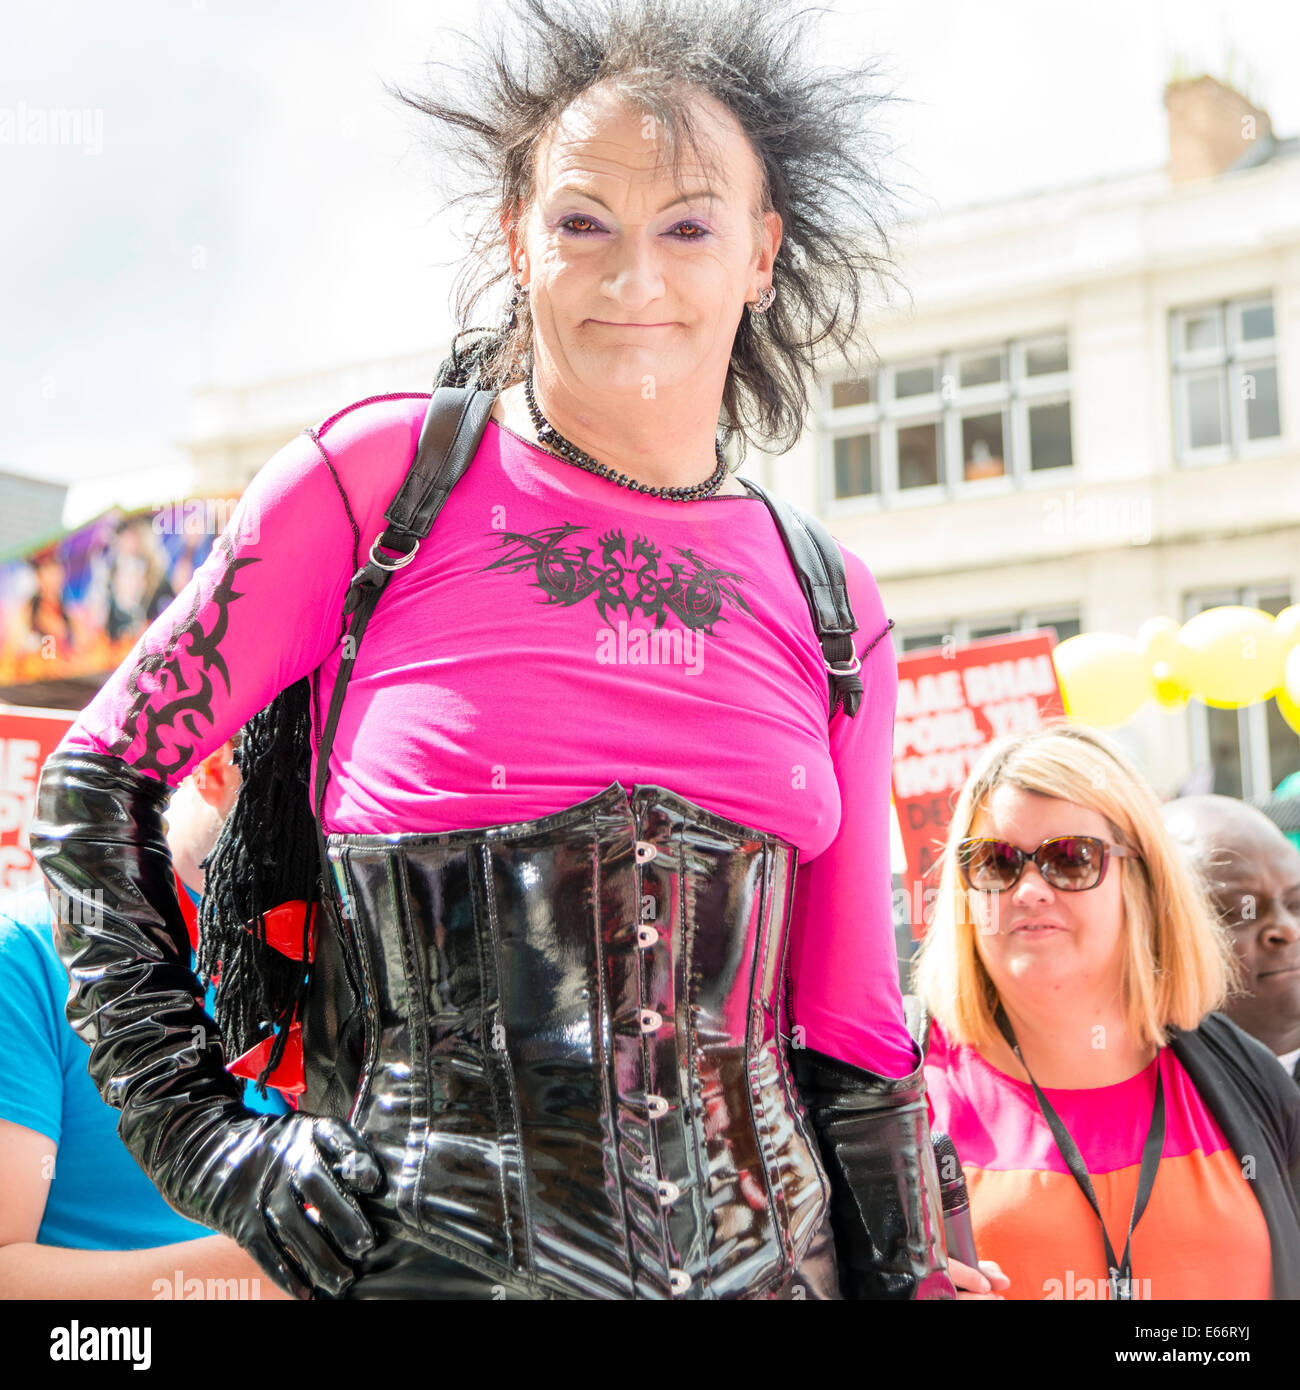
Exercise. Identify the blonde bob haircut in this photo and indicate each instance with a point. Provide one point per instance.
(1179, 964)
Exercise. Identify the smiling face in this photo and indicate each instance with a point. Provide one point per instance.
(1036, 937)
(626, 280)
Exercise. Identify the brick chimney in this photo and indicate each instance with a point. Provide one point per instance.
(1211, 128)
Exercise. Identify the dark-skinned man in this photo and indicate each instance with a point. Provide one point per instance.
(1252, 871)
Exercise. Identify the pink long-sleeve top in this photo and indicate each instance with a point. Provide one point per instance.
(554, 633)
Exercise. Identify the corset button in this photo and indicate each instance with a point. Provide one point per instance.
(668, 1192)
(651, 1021)
(646, 936)
(657, 1106)
(679, 1281)
(645, 852)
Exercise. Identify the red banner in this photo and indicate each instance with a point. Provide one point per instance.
(952, 701)
(27, 738)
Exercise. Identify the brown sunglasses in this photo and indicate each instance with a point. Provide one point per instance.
(1072, 863)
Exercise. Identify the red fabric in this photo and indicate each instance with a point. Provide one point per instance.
(284, 934)
(189, 912)
(284, 930)
(288, 1076)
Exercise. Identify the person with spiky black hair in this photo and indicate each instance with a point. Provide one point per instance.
(561, 869)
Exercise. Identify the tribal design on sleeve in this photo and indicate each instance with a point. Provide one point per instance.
(626, 576)
(171, 689)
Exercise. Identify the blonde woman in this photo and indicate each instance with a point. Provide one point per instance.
(1119, 1138)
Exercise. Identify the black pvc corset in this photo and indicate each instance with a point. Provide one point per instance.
(512, 1105)
(440, 950)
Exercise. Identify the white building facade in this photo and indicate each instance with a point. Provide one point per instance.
(1088, 416)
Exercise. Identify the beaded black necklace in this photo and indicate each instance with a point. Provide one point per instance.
(551, 438)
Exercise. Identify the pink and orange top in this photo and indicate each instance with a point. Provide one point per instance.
(1202, 1235)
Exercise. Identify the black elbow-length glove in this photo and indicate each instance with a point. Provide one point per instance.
(156, 1056)
(886, 1218)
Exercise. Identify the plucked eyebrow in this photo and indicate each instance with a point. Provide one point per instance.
(698, 194)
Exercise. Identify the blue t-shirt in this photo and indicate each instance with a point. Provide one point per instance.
(99, 1197)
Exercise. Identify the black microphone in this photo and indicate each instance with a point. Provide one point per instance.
(957, 1233)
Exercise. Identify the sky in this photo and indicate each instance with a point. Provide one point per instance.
(244, 200)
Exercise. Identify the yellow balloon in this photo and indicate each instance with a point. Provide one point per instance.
(1230, 656)
(1288, 706)
(1291, 676)
(1170, 692)
(1105, 678)
(1158, 638)
(1287, 626)
(1288, 709)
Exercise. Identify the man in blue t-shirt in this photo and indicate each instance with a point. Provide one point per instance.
(79, 1218)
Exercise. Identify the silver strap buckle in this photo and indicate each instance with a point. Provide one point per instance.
(396, 564)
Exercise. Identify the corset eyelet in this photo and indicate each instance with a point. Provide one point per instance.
(679, 1281)
(645, 852)
(651, 1022)
(646, 936)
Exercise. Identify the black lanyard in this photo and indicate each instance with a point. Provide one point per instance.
(1121, 1272)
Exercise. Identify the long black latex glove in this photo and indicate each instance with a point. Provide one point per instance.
(886, 1217)
(156, 1056)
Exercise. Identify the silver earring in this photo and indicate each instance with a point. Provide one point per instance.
(764, 301)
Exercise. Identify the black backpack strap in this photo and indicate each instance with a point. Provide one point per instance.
(820, 566)
(449, 439)
(453, 426)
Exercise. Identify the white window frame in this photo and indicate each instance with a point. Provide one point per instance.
(947, 407)
(847, 422)
(1205, 453)
(906, 412)
(1226, 360)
